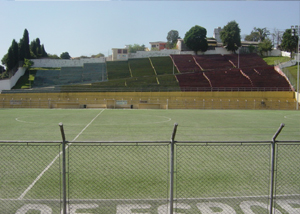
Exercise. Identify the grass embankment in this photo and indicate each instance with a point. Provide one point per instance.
(26, 81)
(270, 60)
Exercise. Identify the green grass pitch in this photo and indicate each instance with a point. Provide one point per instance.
(148, 125)
(132, 174)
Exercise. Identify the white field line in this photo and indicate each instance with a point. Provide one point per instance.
(47, 167)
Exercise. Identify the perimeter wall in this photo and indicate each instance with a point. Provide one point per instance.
(153, 100)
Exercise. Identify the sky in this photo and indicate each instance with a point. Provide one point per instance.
(92, 27)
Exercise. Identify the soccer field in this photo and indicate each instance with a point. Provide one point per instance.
(122, 177)
(148, 125)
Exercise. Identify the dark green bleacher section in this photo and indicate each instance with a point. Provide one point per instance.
(44, 78)
(141, 67)
(93, 72)
(168, 81)
(90, 72)
(117, 70)
(163, 65)
(152, 83)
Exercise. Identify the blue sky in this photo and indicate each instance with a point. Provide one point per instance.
(92, 27)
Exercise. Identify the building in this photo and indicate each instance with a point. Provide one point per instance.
(158, 45)
(217, 33)
(119, 54)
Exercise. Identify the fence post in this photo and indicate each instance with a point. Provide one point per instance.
(272, 186)
(172, 168)
(64, 189)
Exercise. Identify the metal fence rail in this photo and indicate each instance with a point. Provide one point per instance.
(161, 177)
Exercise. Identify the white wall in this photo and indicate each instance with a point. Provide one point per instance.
(58, 63)
(284, 53)
(7, 84)
(145, 54)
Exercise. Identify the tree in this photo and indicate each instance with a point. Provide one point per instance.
(265, 46)
(230, 36)
(172, 38)
(258, 35)
(65, 55)
(254, 37)
(289, 42)
(251, 48)
(38, 47)
(263, 33)
(195, 39)
(98, 55)
(33, 47)
(11, 59)
(4, 59)
(24, 46)
(134, 48)
(277, 37)
(44, 53)
(24, 49)
(27, 63)
(53, 56)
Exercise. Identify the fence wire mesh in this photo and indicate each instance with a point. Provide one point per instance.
(288, 177)
(134, 177)
(222, 173)
(118, 174)
(29, 174)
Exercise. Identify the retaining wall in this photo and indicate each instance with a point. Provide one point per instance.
(7, 84)
(58, 63)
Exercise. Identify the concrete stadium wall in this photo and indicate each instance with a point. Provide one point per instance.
(162, 100)
(7, 84)
(58, 63)
(145, 54)
(218, 50)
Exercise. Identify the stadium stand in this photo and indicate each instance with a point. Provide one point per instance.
(193, 82)
(267, 77)
(245, 60)
(142, 82)
(163, 65)
(117, 70)
(45, 78)
(141, 67)
(91, 72)
(168, 81)
(185, 63)
(200, 72)
(70, 75)
(215, 61)
(231, 79)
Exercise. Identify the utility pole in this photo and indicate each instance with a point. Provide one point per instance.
(295, 32)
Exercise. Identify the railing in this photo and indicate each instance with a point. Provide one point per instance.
(150, 177)
(148, 89)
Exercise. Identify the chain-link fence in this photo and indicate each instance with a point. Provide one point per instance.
(150, 177)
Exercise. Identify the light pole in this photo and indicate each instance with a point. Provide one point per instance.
(238, 57)
(295, 32)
